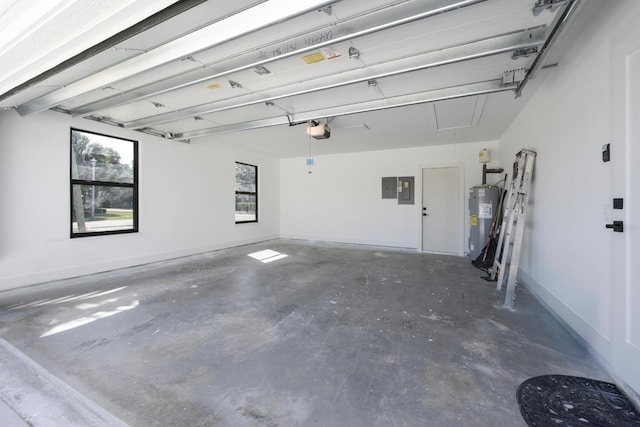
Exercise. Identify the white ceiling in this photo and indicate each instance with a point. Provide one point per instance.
(384, 74)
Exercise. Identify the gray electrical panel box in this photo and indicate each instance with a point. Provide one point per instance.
(483, 206)
(389, 187)
(406, 190)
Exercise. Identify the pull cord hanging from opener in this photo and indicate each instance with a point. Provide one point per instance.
(309, 158)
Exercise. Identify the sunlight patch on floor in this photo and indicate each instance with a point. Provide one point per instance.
(88, 319)
(267, 256)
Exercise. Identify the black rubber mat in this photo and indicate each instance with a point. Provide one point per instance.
(564, 401)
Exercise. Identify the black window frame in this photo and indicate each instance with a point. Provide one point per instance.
(75, 181)
(247, 193)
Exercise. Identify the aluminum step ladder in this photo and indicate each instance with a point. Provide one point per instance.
(515, 214)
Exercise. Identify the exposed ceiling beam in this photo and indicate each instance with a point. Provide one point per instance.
(468, 51)
(491, 86)
(244, 22)
(348, 29)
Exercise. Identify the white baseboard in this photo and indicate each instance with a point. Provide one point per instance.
(348, 241)
(598, 346)
(83, 270)
(579, 328)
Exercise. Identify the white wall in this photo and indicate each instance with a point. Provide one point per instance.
(186, 198)
(340, 201)
(565, 258)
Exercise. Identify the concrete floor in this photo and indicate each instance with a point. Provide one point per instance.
(330, 335)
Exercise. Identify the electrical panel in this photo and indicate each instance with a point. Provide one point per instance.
(389, 187)
(406, 190)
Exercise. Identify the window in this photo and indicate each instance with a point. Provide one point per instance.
(104, 184)
(246, 193)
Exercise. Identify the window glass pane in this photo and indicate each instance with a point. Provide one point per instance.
(245, 178)
(99, 208)
(245, 207)
(101, 158)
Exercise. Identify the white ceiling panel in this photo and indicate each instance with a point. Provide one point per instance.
(92, 96)
(137, 109)
(38, 35)
(186, 125)
(458, 113)
(259, 111)
(194, 18)
(305, 26)
(211, 91)
(22, 97)
(347, 9)
(326, 98)
(163, 104)
(452, 75)
(169, 69)
(295, 69)
(86, 68)
(186, 77)
(488, 19)
(129, 84)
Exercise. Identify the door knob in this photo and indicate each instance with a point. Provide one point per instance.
(617, 226)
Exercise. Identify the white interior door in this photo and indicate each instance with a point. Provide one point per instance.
(625, 246)
(441, 210)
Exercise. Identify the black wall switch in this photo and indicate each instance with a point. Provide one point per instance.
(617, 203)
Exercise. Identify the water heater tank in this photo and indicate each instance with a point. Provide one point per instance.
(483, 204)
